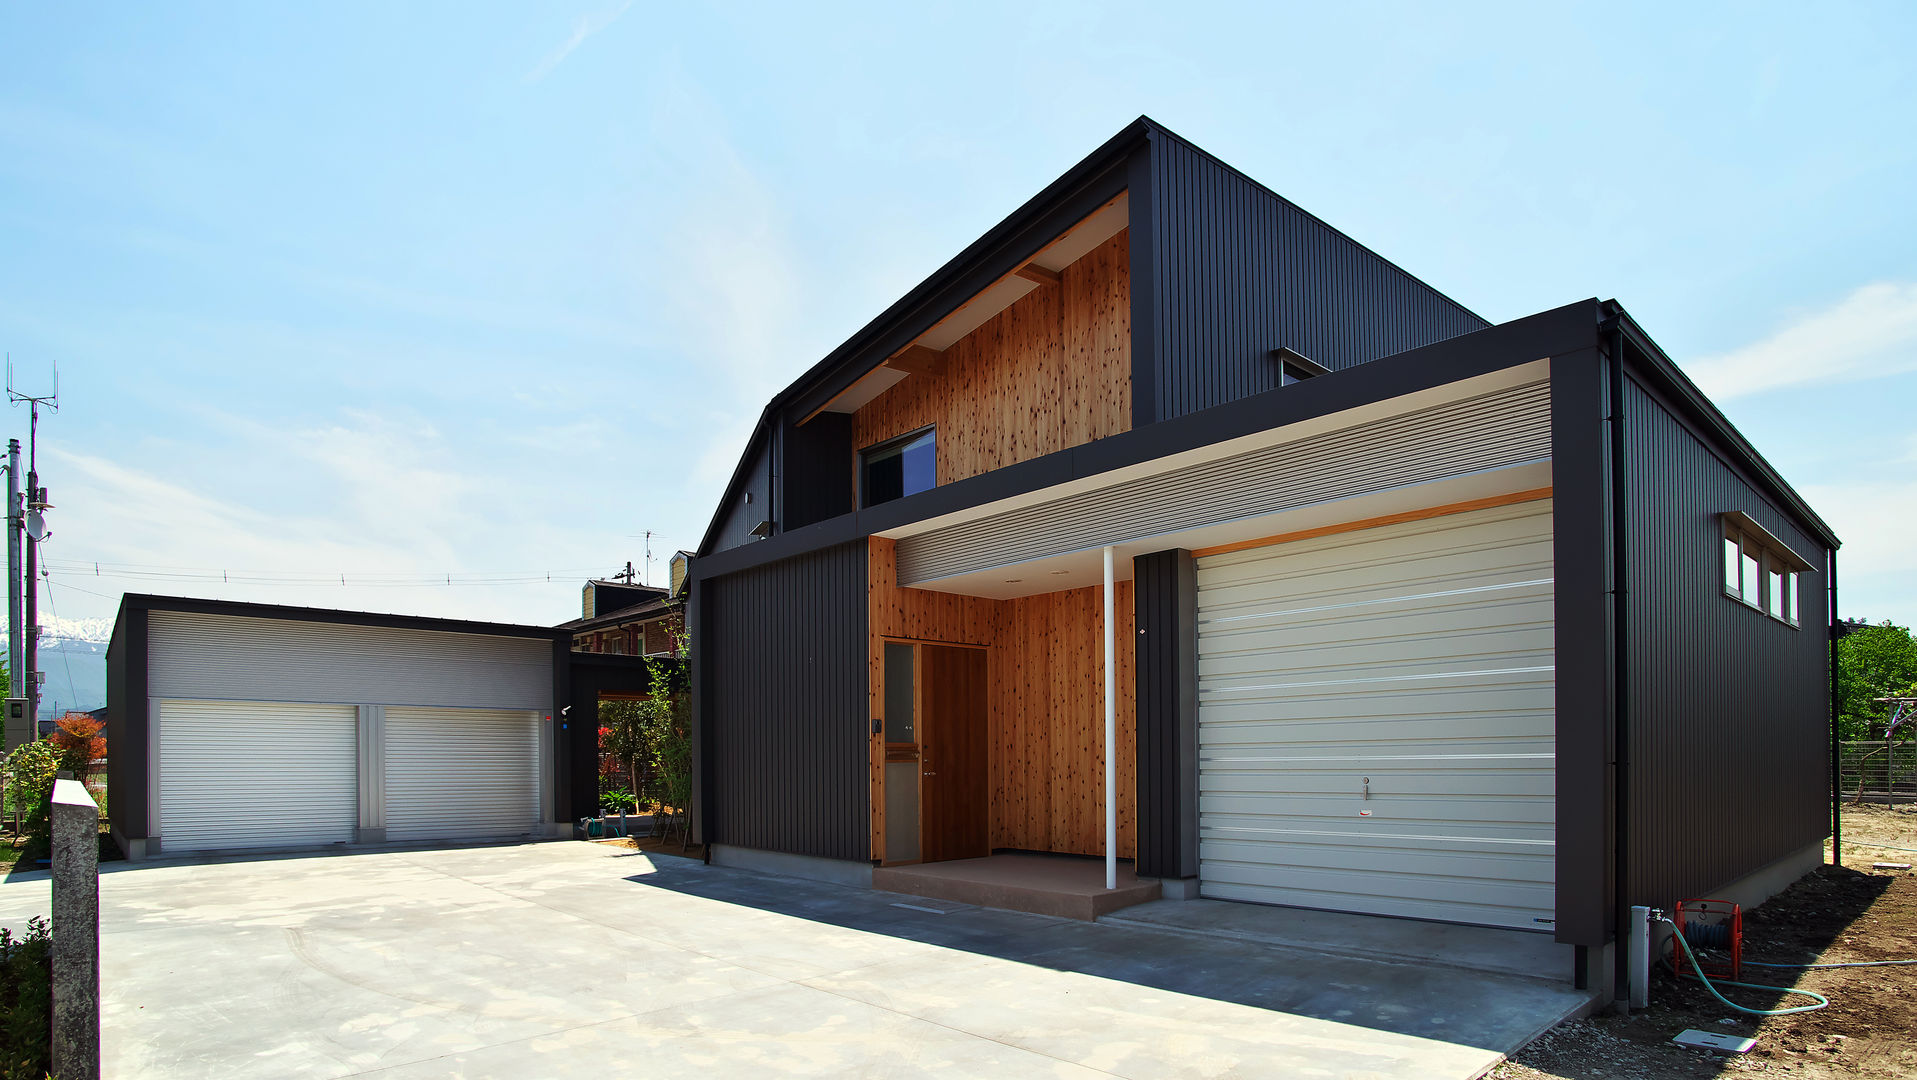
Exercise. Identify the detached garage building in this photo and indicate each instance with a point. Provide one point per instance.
(247, 727)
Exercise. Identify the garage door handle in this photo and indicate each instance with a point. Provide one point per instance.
(1367, 781)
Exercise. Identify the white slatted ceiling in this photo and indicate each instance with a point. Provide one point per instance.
(461, 773)
(239, 775)
(207, 657)
(1501, 428)
(1419, 655)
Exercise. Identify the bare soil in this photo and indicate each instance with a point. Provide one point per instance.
(1841, 914)
(655, 846)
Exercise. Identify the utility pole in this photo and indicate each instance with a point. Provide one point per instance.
(15, 522)
(34, 495)
(36, 506)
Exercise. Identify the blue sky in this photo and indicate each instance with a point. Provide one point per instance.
(467, 288)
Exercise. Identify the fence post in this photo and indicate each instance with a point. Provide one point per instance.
(76, 932)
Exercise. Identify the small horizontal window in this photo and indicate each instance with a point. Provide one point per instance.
(1759, 570)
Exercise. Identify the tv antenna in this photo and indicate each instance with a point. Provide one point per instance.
(647, 537)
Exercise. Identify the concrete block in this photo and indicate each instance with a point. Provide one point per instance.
(1179, 888)
(76, 933)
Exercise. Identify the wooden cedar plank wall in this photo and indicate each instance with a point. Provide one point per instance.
(1050, 372)
(1046, 705)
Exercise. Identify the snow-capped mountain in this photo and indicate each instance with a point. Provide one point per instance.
(73, 654)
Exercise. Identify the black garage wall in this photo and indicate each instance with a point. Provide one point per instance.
(126, 730)
(780, 667)
(1239, 271)
(1728, 708)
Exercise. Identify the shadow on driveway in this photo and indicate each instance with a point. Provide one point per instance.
(1495, 1012)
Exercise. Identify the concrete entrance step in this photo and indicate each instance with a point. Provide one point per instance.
(1062, 885)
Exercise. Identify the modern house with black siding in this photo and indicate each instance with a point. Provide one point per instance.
(1407, 614)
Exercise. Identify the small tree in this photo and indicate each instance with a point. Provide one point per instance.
(622, 736)
(668, 729)
(78, 737)
(1872, 661)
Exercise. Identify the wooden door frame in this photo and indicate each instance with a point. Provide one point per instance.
(878, 747)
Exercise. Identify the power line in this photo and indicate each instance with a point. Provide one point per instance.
(89, 592)
(64, 658)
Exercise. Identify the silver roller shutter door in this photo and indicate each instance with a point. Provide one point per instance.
(461, 774)
(238, 774)
(1417, 656)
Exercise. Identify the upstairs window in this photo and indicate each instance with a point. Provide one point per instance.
(1294, 367)
(903, 466)
(1759, 569)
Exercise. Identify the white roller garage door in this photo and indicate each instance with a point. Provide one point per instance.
(461, 773)
(236, 774)
(1376, 720)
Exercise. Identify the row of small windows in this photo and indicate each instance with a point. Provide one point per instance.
(1760, 571)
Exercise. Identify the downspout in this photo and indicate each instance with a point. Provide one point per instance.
(1836, 753)
(1620, 660)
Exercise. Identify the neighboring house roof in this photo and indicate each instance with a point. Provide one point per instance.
(152, 602)
(651, 609)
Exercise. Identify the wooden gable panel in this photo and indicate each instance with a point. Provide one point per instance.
(1050, 372)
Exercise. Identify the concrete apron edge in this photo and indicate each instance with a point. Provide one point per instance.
(1348, 951)
(1574, 1012)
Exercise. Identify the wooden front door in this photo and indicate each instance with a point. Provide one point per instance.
(954, 788)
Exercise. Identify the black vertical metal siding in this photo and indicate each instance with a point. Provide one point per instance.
(786, 708)
(126, 727)
(1164, 596)
(1727, 706)
(741, 516)
(1240, 272)
(818, 469)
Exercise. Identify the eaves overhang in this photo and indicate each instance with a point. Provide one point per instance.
(1551, 333)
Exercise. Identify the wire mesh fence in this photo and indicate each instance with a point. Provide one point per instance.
(1878, 770)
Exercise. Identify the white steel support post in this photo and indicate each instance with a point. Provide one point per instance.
(1111, 732)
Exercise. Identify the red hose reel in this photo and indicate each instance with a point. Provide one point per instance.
(1715, 931)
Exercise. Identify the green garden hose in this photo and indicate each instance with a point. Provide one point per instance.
(1697, 973)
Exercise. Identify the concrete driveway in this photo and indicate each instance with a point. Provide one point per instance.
(573, 960)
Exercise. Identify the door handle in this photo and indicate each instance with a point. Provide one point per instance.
(1367, 781)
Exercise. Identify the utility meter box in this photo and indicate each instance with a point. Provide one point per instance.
(19, 724)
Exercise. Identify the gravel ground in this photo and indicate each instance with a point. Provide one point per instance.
(1835, 915)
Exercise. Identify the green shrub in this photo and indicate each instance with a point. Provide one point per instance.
(26, 1002)
(618, 799)
(31, 770)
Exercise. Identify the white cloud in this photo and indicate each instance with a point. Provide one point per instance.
(589, 24)
(1877, 566)
(361, 495)
(1868, 334)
